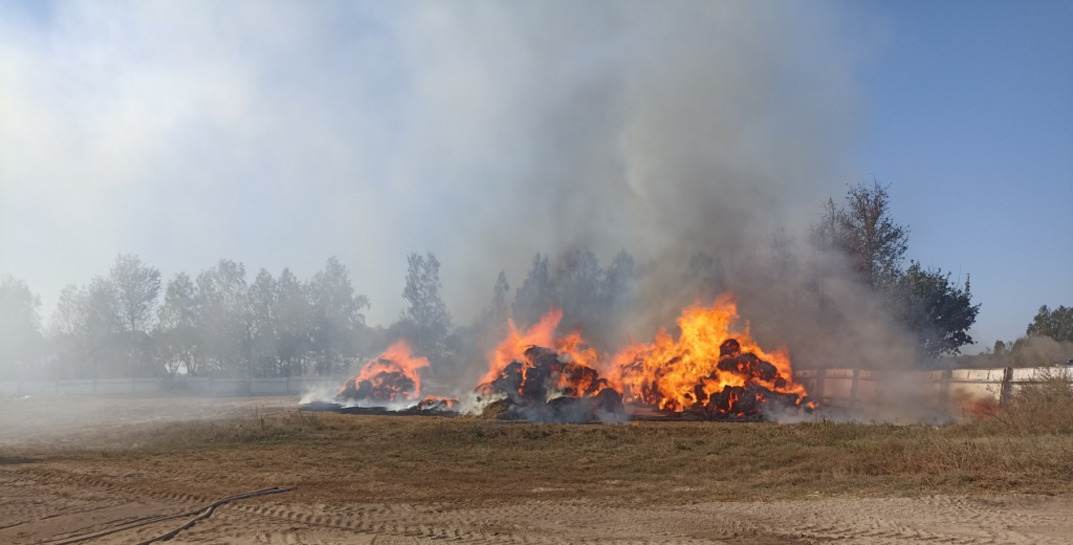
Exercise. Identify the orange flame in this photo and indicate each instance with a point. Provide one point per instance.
(542, 333)
(666, 372)
(712, 366)
(382, 373)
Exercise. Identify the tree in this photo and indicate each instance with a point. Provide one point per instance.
(262, 303)
(20, 325)
(177, 332)
(223, 317)
(335, 316)
(494, 318)
(136, 289)
(537, 294)
(103, 328)
(293, 322)
(1056, 324)
(579, 289)
(864, 232)
(937, 310)
(425, 319)
(66, 331)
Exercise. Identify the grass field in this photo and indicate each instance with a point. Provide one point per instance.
(468, 459)
(387, 479)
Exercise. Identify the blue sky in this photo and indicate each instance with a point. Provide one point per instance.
(282, 133)
(969, 118)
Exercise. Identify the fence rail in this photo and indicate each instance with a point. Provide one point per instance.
(831, 387)
(207, 386)
(853, 387)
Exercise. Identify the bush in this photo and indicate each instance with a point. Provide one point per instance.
(1045, 407)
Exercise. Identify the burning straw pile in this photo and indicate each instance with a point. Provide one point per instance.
(708, 370)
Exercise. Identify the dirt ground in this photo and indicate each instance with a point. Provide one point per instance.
(384, 480)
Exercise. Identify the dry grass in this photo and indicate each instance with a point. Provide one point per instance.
(462, 460)
(1037, 409)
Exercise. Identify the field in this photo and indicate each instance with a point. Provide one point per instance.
(76, 465)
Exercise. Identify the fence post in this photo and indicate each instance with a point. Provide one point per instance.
(1007, 387)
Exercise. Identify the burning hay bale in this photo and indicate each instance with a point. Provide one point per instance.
(389, 384)
(545, 385)
(709, 370)
(435, 404)
(389, 378)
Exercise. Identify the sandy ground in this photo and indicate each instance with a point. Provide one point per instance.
(56, 500)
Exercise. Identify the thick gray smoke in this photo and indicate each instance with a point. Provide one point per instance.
(662, 129)
(279, 134)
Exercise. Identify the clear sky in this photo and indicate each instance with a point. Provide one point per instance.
(280, 134)
(969, 118)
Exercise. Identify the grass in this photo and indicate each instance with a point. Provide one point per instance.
(1026, 447)
(1034, 409)
(330, 456)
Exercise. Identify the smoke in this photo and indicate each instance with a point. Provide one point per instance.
(279, 134)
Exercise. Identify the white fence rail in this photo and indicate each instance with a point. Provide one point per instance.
(206, 386)
(852, 387)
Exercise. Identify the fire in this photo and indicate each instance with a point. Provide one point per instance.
(535, 375)
(572, 347)
(710, 366)
(391, 376)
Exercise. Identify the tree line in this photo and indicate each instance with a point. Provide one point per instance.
(129, 322)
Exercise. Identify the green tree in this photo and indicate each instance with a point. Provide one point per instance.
(936, 309)
(1056, 324)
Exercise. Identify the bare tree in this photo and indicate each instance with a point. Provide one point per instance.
(866, 233)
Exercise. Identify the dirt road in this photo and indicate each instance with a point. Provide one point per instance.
(43, 504)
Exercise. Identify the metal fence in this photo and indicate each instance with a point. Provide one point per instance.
(206, 386)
